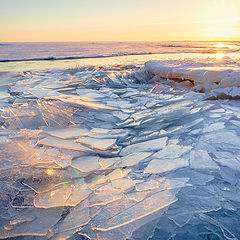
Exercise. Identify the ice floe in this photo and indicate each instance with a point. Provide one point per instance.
(120, 153)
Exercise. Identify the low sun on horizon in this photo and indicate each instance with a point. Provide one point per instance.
(136, 20)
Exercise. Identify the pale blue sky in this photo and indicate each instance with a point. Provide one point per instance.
(129, 20)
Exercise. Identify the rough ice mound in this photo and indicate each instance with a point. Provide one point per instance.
(88, 153)
(216, 80)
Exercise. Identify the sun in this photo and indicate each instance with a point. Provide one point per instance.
(221, 20)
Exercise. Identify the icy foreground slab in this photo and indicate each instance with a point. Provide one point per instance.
(94, 155)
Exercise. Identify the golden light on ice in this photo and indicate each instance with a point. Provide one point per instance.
(221, 20)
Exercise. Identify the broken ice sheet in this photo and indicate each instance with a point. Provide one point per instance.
(201, 159)
(132, 159)
(222, 138)
(123, 183)
(90, 93)
(150, 145)
(68, 133)
(56, 197)
(94, 143)
(77, 217)
(172, 151)
(62, 143)
(41, 93)
(88, 103)
(42, 221)
(127, 212)
(99, 196)
(86, 163)
(107, 162)
(165, 165)
(80, 191)
(227, 159)
(214, 127)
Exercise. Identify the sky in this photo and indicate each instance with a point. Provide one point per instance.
(119, 20)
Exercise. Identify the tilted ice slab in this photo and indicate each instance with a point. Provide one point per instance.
(147, 146)
(205, 78)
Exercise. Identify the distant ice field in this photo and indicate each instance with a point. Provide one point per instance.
(26, 56)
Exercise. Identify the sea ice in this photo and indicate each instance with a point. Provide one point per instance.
(132, 159)
(94, 143)
(62, 143)
(69, 133)
(172, 151)
(201, 159)
(86, 163)
(55, 198)
(166, 164)
(108, 162)
(146, 146)
(62, 176)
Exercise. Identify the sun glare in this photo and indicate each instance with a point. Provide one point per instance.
(219, 55)
(221, 46)
(221, 20)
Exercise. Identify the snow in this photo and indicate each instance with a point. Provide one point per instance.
(219, 82)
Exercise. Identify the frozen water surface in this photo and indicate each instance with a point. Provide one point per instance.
(121, 152)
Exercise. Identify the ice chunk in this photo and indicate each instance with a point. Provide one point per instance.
(172, 151)
(60, 143)
(88, 103)
(222, 137)
(119, 104)
(86, 163)
(77, 217)
(79, 192)
(146, 146)
(19, 219)
(101, 144)
(117, 173)
(53, 155)
(42, 221)
(201, 159)
(134, 212)
(204, 78)
(236, 123)
(123, 184)
(107, 162)
(99, 196)
(68, 133)
(120, 115)
(229, 162)
(233, 92)
(89, 93)
(149, 185)
(100, 130)
(214, 127)
(57, 197)
(165, 164)
(41, 93)
(132, 159)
